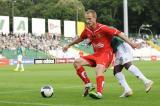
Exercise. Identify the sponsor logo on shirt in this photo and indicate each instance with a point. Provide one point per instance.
(99, 45)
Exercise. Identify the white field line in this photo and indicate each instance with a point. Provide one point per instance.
(18, 91)
(25, 103)
(35, 104)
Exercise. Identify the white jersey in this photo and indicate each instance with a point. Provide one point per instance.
(20, 51)
(123, 54)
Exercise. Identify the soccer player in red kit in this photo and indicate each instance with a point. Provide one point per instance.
(100, 37)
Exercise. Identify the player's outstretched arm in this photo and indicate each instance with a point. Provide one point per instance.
(133, 45)
(78, 40)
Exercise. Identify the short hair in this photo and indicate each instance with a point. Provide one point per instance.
(92, 12)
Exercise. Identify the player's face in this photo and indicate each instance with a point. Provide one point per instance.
(90, 20)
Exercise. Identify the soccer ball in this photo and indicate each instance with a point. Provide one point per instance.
(47, 91)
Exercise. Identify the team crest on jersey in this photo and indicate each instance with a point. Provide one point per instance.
(96, 36)
(99, 35)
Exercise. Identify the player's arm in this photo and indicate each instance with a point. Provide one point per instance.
(133, 45)
(76, 41)
(114, 31)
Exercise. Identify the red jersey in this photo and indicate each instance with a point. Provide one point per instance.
(100, 37)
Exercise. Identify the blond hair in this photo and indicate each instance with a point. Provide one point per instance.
(92, 12)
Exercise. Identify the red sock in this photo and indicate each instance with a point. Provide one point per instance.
(100, 83)
(83, 75)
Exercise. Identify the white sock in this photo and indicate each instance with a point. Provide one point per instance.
(100, 94)
(17, 66)
(121, 78)
(134, 70)
(22, 67)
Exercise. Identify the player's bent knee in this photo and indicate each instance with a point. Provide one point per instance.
(100, 69)
(115, 72)
(127, 65)
(77, 63)
(117, 69)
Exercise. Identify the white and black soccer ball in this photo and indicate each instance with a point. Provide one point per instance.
(47, 91)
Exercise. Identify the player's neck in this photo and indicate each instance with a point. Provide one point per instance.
(93, 27)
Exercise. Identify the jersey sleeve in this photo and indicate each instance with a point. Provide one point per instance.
(111, 31)
(84, 34)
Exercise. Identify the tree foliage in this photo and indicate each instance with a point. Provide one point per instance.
(109, 12)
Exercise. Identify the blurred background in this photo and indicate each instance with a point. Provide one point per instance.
(44, 26)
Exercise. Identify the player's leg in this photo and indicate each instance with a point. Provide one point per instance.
(78, 64)
(135, 71)
(21, 63)
(100, 69)
(22, 68)
(103, 61)
(17, 67)
(18, 64)
(120, 58)
(121, 79)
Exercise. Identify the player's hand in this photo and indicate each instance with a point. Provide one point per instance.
(65, 48)
(136, 45)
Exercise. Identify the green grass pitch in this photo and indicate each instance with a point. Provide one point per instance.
(23, 88)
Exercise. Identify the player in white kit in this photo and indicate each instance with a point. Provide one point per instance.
(123, 59)
(20, 52)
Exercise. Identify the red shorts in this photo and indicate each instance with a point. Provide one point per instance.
(99, 58)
